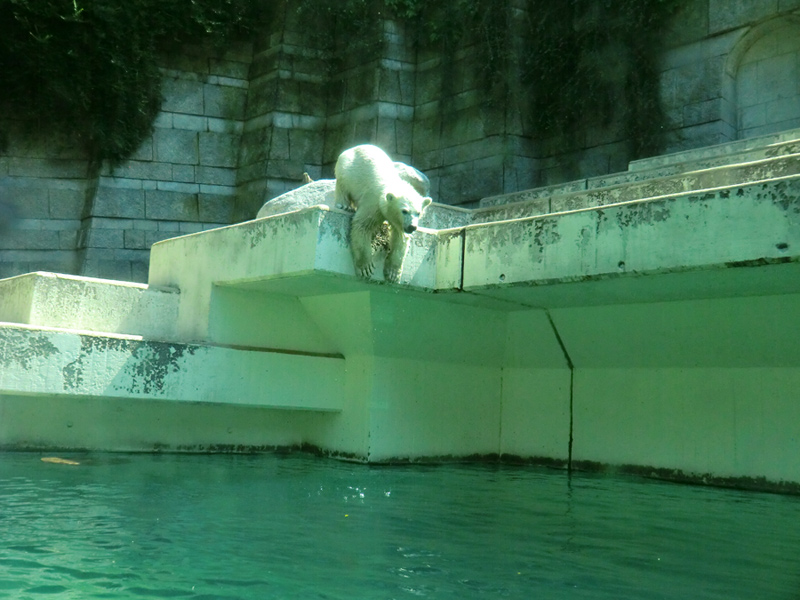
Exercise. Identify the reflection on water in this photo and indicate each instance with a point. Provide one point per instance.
(234, 527)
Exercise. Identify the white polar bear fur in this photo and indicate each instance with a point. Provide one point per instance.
(368, 180)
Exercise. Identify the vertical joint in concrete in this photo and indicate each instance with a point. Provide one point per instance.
(571, 366)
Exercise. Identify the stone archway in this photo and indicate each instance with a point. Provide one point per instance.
(765, 69)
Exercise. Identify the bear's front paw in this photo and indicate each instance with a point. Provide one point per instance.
(392, 274)
(364, 271)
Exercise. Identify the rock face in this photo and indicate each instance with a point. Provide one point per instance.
(316, 193)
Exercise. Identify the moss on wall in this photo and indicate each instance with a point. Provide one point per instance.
(89, 68)
(568, 65)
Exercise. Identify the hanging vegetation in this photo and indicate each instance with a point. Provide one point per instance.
(89, 68)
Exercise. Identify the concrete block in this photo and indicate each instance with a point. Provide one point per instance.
(152, 237)
(48, 168)
(220, 190)
(135, 238)
(118, 202)
(106, 223)
(229, 68)
(176, 146)
(215, 175)
(144, 224)
(175, 186)
(26, 202)
(214, 208)
(144, 151)
(163, 120)
(68, 240)
(139, 270)
(95, 265)
(21, 239)
(604, 242)
(182, 96)
(182, 174)
(82, 303)
(189, 122)
(217, 125)
(170, 206)
(102, 238)
(255, 146)
(305, 145)
(219, 149)
(71, 365)
(135, 169)
(224, 101)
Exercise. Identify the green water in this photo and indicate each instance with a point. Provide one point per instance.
(275, 527)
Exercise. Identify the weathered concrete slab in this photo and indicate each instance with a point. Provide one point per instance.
(277, 252)
(757, 224)
(39, 361)
(745, 150)
(89, 304)
(636, 187)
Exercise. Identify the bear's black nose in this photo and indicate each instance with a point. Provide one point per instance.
(410, 228)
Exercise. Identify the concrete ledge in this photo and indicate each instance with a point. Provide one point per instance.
(754, 225)
(730, 151)
(89, 304)
(48, 362)
(637, 187)
(291, 254)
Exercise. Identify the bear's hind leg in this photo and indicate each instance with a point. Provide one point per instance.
(340, 197)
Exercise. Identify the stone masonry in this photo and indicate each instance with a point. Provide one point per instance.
(241, 126)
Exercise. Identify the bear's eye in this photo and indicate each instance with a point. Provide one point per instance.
(405, 211)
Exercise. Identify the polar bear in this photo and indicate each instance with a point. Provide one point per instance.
(368, 181)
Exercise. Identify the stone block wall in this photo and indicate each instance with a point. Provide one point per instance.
(182, 179)
(731, 72)
(44, 184)
(240, 126)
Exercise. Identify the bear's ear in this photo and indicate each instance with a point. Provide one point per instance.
(426, 201)
(390, 197)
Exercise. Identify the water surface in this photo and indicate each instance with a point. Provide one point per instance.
(299, 527)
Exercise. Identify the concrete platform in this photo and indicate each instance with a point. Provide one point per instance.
(89, 304)
(655, 335)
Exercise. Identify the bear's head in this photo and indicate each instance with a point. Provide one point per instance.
(404, 211)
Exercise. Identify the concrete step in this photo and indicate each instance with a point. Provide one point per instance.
(753, 150)
(555, 200)
(88, 304)
(764, 146)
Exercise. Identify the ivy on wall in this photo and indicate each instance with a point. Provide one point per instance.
(89, 68)
(581, 64)
(593, 61)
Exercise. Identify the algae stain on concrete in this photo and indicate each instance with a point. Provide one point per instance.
(22, 347)
(146, 364)
(73, 372)
(783, 194)
(645, 213)
(152, 363)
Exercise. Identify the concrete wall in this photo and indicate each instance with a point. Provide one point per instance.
(241, 126)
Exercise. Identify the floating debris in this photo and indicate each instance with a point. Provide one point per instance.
(59, 461)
